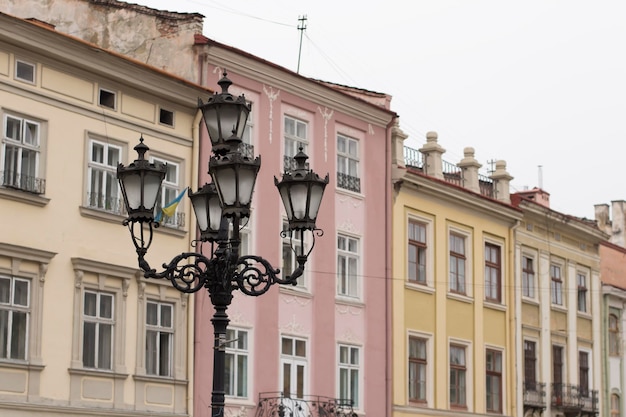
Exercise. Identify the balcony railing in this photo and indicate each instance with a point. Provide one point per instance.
(289, 164)
(413, 158)
(535, 394)
(486, 186)
(276, 404)
(13, 179)
(565, 396)
(246, 149)
(589, 401)
(452, 173)
(348, 182)
(105, 203)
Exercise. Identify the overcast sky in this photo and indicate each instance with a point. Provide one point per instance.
(535, 83)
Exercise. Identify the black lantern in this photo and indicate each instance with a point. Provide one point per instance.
(206, 204)
(141, 182)
(301, 191)
(225, 117)
(234, 175)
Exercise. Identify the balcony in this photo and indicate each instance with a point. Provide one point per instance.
(572, 400)
(589, 402)
(534, 394)
(106, 203)
(13, 179)
(275, 404)
(348, 182)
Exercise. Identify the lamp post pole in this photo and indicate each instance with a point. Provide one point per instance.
(219, 207)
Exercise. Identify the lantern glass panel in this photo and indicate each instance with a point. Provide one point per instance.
(299, 200)
(211, 121)
(132, 187)
(226, 181)
(151, 189)
(199, 203)
(317, 190)
(284, 194)
(229, 115)
(247, 177)
(215, 212)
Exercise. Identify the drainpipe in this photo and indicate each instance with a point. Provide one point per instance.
(388, 242)
(517, 406)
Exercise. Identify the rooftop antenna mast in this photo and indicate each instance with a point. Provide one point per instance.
(540, 176)
(301, 28)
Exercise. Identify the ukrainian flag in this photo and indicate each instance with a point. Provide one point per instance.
(170, 208)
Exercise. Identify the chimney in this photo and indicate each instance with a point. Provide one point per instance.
(537, 195)
(619, 220)
(602, 217)
(501, 180)
(470, 167)
(432, 156)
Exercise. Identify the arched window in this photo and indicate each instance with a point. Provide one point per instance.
(614, 337)
(615, 405)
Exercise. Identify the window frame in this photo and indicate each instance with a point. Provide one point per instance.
(117, 205)
(160, 329)
(294, 360)
(582, 293)
(233, 335)
(98, 321)
(529, 277)
(584, 373)
(556, 285)
(12, 309)
(288, 239)
(349, 367)
(178, 220)
(615, 342)
(530, 385)
(345, 180)
(418, 363)
(614, 405)
(458, 369)
(30, 64)
(468, 280)
(497, 267)
(35, 182)
(496, 375)
(349, 287)
(292, 139)
(420, 247)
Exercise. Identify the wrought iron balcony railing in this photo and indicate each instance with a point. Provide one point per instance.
(13, 179)
(289, 164)
(589, 401)
(348, 182)
(565, 396)
(176, 221)
(276, 404)
(535, 394)
(246, 149)
(105, 203)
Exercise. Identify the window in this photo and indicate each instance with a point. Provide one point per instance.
(170, 189)
(493, 271)
(347, 266)
(14, 317)
(583, 373)
(295, 138)
(294, 367)
(418, 363)
(349, 365)
(247, 140)
(103, 192)
(557, 371)
(457, 263)
(581, 280)
(25, 71)
(556, 285)
(159, 338)
(236, 384)
(458, 376)
(528, 277)
(417, 252)
(614, 337)
(21, 155)
(494, 381)
(106, 98)
(530, 365)
(166, 117)
(615, 405)
(348, 164)
(98, 322)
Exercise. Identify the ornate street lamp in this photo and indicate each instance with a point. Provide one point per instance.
(217, 206)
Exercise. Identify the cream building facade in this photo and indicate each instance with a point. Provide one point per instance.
(557, 264)
(452, 288)
(81, 331)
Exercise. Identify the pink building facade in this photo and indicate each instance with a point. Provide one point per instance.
(325, 337)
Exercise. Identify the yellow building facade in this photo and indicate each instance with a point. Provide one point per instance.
(81, 331)
(452, 287)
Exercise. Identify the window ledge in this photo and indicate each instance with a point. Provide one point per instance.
(172, 231)
(160, 379)
(584, 315)
(460, 297)
(425, 288)
(21, 365)
(239, 402)
(97, 372)
(559, 308)
(354, 194)
(495, 306)
(111, 217)
(354, 302)
(295, 291)
(23, 197)
(532, 301)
